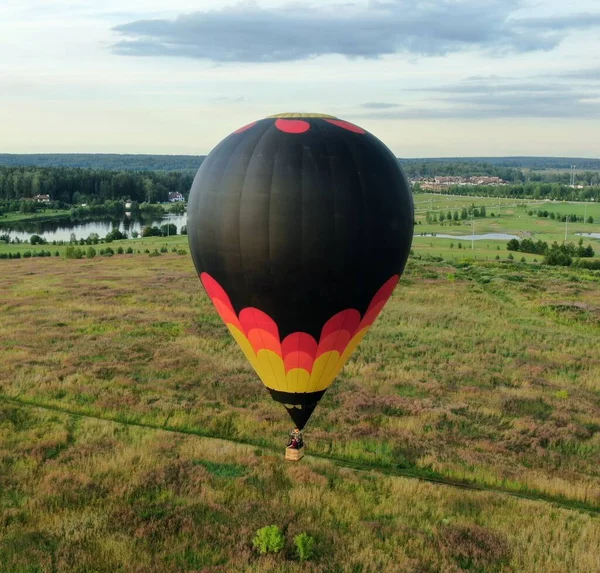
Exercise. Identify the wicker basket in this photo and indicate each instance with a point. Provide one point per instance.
(293, 454)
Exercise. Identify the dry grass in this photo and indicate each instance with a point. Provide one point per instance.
(484, 372)
(89, 495)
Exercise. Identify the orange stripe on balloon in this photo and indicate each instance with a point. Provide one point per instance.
(348, 319)
(264, 340)
(299, 359)
(226, 313)
(253, 318)
(299, 342)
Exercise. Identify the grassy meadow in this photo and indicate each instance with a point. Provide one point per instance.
(81, 494)
(134, 436)
(510, 217)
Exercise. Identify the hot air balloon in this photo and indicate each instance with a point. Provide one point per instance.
(299, 226)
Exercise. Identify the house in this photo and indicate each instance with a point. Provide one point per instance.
(175, 197)
(42, 198)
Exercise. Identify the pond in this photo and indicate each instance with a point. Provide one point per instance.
(490, 236)
(61, 229)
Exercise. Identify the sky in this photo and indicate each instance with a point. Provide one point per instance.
(434, 78)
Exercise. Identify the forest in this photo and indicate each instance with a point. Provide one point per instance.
(70, 185)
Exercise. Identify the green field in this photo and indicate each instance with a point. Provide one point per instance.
(135, 437)
(510, 217)
(17, 217)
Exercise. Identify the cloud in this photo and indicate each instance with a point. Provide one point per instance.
(248, 33)
(588, 74)
(495, 100)
(379, 105)
(581, 21)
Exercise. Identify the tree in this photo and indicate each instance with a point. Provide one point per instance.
(168, 230)
(90, 253)
(590, 220)
(269, 539)
(442, 217)
(37, 240)
(115, 235)
(513, 245)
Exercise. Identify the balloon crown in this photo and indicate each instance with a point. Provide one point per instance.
(300, 115)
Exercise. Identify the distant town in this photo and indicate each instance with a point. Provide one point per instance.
(442, 183)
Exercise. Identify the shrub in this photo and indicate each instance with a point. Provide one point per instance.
(154, 253)
(91, 253)
(120, 251)
(37, 240)
(129, 251)
(269, 539)
(164, 249)
(305, 546)
(74, 253)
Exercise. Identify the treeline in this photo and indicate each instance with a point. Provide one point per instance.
(541, 248)
(428, 169)
(573, 217)
(69, 186)
(464, 214)
(518, 162)
(531, 190)
(112, 161)
(147, 162)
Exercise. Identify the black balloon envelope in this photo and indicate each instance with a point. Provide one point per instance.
(299, 226)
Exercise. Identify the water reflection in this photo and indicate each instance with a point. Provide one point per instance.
(61, 229)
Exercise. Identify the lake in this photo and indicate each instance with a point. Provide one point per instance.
(490, 236)
(61, 229)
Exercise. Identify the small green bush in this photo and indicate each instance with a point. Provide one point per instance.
(269, 539)
(305, 546)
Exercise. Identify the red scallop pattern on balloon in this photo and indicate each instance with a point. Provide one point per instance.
(292, 125)
(346, 320)
(346, 125)
(299, 349)
(245, 127)
(299, 342)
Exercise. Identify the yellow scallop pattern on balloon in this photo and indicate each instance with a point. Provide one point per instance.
(258, 337)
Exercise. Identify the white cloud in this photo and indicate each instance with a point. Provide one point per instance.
(451, 84)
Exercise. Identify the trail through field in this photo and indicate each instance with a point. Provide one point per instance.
(390, 470)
